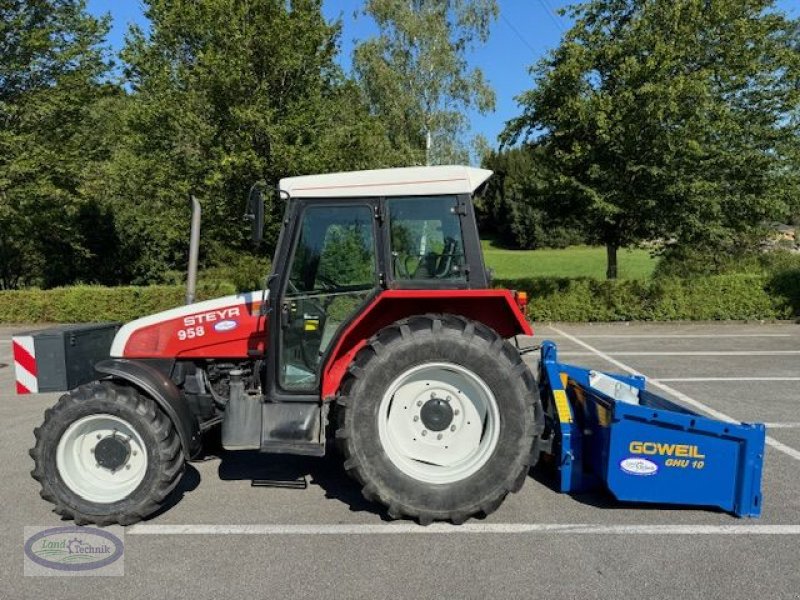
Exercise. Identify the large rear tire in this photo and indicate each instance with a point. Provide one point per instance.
(438, 419)
(106, 454)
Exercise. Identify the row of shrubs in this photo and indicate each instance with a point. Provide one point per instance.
(717, 297)
(720, 297)
(83, 303)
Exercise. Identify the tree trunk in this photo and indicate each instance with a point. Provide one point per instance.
(611, 261)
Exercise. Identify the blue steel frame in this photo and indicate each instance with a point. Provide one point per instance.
(720, 463)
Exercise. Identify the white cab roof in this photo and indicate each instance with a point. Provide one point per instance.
(409, 181)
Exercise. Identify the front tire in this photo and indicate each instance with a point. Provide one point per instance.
(439, 419)
(106, 454)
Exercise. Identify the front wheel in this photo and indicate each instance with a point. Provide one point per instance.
(106, 454)
(439, 419)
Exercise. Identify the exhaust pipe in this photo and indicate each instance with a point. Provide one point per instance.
(194, 251)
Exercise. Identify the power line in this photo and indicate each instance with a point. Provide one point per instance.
(518, 34)
(545, 4)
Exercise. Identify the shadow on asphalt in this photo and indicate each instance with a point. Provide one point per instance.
(188, 483)
(327, 473)
(250, 465)
(3, 365)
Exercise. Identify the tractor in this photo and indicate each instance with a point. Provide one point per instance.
(378, 331)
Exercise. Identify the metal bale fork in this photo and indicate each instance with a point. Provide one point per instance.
(609, 432)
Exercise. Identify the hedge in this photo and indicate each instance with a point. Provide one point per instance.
(80, 304)
(721, 297)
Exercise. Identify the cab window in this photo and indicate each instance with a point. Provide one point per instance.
(426, 239)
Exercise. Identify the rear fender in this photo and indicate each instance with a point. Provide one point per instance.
(163, 391)
(495, 308)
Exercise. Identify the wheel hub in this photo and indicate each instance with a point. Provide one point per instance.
(112, 452)
(439, 422)
(436, 414)
(101, 458)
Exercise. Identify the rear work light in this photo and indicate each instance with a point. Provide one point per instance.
(522, 300)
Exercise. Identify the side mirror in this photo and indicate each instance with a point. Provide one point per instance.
(255, 211)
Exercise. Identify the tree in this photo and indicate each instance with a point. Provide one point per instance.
(670, 120)
(53, 74)
(224, 93)
(516, 205)
(415, 75)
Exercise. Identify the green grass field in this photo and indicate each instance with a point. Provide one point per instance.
(576, 261)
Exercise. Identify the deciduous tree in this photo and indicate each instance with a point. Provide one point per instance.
(416, 77)
(670, 119)
(53, 79)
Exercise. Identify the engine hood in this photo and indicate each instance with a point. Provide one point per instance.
(228, 327)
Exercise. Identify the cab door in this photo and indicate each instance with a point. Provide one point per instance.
(331, 273)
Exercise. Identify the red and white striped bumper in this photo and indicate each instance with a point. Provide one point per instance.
(25, 364)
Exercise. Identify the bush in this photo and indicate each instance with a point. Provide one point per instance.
(722, 297)
(683, 262)
(82, 304)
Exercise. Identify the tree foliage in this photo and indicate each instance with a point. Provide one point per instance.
(670, 120)
(224, 93)
(518, 205)
(415, 74)
(52, 97)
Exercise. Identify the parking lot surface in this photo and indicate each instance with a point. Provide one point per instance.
(221, 537)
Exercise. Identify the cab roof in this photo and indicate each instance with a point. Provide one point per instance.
(407, 181)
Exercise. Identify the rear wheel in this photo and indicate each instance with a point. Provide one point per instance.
(106, 454)
(438, 419)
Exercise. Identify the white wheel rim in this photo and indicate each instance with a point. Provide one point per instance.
(75, 459)
(453, 453)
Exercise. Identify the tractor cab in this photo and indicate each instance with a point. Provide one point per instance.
(347, 236)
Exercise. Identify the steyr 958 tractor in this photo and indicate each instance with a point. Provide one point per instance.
(378, 318)
(378, 327)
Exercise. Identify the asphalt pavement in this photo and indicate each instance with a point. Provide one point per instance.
(222, 538)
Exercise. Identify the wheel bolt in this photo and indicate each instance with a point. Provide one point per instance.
(419, 402)
(447, 399)
(134, 453)
(456, 411)
(416, 418)
(424, 432)
(127, 467)
(433, 395)
(99, 437)
(438, 437)
(452, 427)
(97, 466)
(91, 450)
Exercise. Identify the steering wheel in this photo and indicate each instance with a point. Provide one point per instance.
(402, 265)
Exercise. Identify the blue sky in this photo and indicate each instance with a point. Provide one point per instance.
(525, 31)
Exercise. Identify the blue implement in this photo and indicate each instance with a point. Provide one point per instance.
(608, 431)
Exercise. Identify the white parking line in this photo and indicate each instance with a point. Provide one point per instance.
(467, 528)
(782, 425)
(780, 446)
(691, 353)
(683, 335)
(705, 379)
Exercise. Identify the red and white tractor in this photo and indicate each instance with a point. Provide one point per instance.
(378, 319)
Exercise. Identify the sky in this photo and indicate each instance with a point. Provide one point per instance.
(524, 32)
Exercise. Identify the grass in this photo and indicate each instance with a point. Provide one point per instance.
(575, 261)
